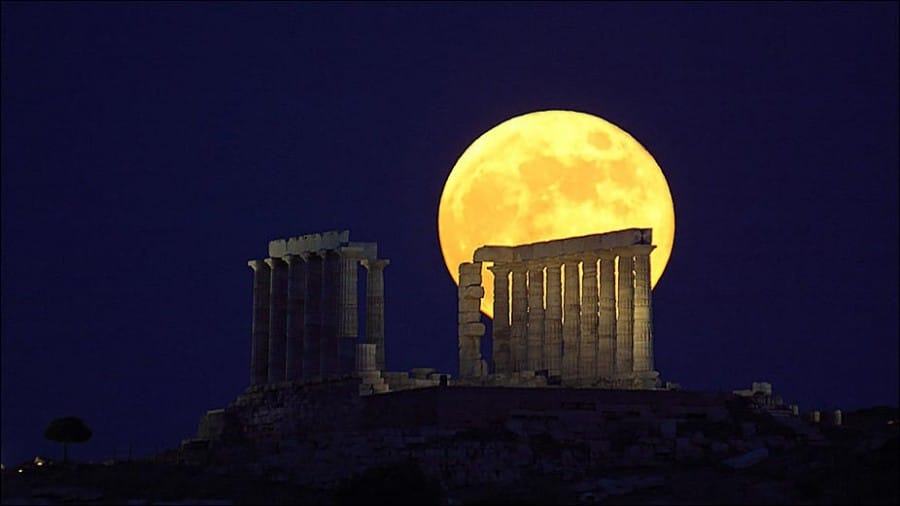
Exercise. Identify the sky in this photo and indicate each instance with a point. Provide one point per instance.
(150, 149)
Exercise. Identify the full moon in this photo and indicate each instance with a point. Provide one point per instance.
(549, 175)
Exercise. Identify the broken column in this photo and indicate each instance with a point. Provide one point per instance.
(259, 349)
(471, 365)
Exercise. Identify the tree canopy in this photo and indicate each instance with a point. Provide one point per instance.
(67, 429)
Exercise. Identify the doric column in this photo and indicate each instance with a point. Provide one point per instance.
(471, 365)
(572, 321)
(277, 318)
(312, 320)
(365, 357)
(348, 310)
(643, 312)
(625, 320)
(296, 309)
(587, 353)
(535, 316)
(606, 360)
(331, 293)
(553, 320)
(259, 349)
(375, 307)
(501, 328)
(519, 326)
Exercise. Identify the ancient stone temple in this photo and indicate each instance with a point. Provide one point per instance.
(574, 311)
(305, 311)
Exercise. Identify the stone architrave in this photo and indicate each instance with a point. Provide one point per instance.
(625, 320)
(553, 320)
(587, 353)
(502, 354)
(471, 364)
(606, 358)
(348, 310)
(519, 326)
(331, 296)
(572, 321)
(375, 307)
(643, 327)
(296, 312)
(259, 350)
(536, 316)
(312, 321)
(277, 319)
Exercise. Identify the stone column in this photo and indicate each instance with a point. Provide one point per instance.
(375, 307)
(643, 322)
(312, 318)
(553, 320)
(277, 319)
(296, 309)
(535, 316)
(471, 365)
(259, 349)
(587, 352)
(501, 328)
(572, 321)
(606, 360)
(331, 293)
(625, 320)
(348, 311)
(365, 358)
(519, 327)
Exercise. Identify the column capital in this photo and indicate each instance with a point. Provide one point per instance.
(351, 252)
(536, 264)
(255, 264)
(272, 261)
(637, 250)
(607, 254)
(500, 268)
(518, 267)
(376, 264)
(290, 258)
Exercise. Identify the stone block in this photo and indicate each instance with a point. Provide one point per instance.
(469, 305)
(469, 317)
(472, 292)
(470, 279)
(471, 329)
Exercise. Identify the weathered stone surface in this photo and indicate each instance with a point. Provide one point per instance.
(473, 292)
(625, 319)
(563, 247)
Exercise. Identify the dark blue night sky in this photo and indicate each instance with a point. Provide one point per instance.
(149, 150)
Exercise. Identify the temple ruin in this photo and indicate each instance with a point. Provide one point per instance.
(601, 335)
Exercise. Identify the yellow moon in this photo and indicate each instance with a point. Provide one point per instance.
(548, 175)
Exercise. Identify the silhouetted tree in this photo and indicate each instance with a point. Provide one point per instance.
(65, 430)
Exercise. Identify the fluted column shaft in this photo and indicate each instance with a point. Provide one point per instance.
(572, 321)
(625, 320)
(501, 327)
(348, 311)
(519, 327)
(331, 296)
(643, 322)
(587, 353)
(277, 319)
(535, 316)
(312, 321)
(259, 349)
(365, 357)
(375, 307)
(553, 320)
(296, 309)
(606, 360)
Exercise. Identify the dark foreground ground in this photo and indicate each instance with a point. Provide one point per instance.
(853, 465)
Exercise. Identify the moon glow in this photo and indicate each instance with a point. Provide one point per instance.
(549, 175)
